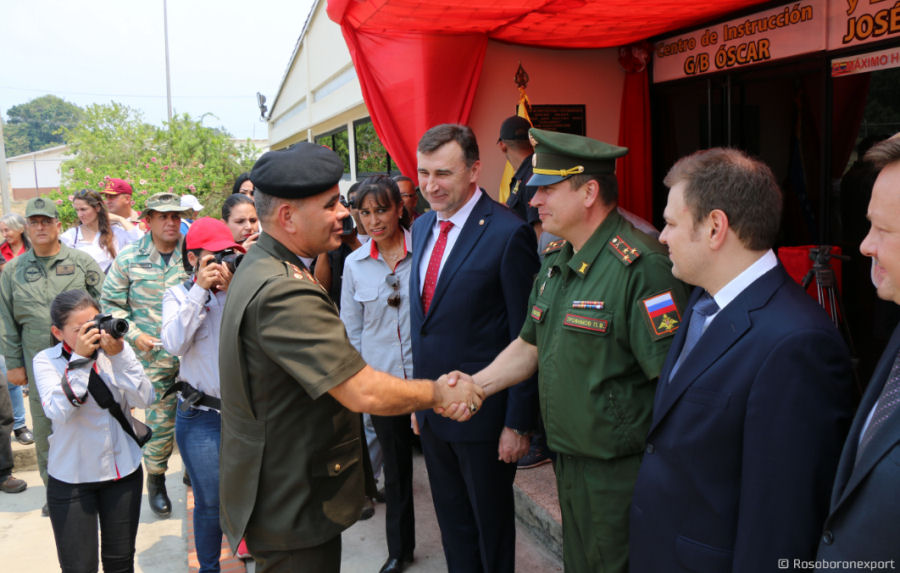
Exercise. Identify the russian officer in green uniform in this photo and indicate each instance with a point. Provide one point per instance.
(603, 310)
(28, 285)
(291, 476)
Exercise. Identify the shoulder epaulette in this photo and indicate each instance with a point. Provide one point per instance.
(554, 246)
(623, 251)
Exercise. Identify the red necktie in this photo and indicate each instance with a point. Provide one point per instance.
(434, 265)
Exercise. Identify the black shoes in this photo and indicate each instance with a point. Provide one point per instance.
(395, 565)
(24, 436)
(157, 496)
(368, 509)
(13, 485)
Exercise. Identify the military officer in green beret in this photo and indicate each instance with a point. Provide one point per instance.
(134, 288)
(28, 285)
(603, 310)
(292, 460)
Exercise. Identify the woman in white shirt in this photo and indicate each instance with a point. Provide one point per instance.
(375, 311)
(96, 235)
(192, 316)
(94, 464)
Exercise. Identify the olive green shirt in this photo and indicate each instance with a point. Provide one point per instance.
(602, 320)
(28, 284)
(291, 470)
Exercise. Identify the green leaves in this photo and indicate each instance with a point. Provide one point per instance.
(182, 157)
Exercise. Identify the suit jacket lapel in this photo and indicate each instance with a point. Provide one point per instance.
(423, 227)
(476, 224)
(849, 472)
(722, 333)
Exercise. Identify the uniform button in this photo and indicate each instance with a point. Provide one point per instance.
(650, 449)
(337, 467)
(827, 537)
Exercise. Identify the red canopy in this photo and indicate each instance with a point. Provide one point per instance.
(419, 61)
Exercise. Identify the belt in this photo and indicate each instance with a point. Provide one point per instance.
(191, 397)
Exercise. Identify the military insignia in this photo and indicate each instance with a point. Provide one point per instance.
(297, 272)
(92, 278)
(623, 251)
(533, 143)
(515, 188)
(583, 269)
(65, 269)
(537, 313)
(598, 325)
(662, 314)
(39, 203)
(33, 274)
(541, 290)
(554, 246)
(592, 304)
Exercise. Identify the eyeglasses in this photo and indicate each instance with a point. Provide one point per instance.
(393, 281)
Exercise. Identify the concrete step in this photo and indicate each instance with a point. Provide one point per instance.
(537, 507)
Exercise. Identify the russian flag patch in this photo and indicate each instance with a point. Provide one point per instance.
(662, 314)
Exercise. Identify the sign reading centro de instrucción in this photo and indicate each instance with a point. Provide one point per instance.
(790, 30)
(782, 32)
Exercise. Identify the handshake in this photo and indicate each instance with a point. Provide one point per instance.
(458, 395)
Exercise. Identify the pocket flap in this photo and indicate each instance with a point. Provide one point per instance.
(335, 461)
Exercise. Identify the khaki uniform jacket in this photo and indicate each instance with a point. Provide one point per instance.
(28, 285)
(291, 467)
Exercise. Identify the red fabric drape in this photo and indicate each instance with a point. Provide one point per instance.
(634, 171)
(412, 82)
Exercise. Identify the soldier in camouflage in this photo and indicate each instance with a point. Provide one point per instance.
(134, 291)
(28, 285)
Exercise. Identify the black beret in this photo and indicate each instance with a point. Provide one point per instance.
(302, 170)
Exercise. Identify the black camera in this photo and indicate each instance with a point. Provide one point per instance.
(347, 225)
(229, 258)
(116, 327)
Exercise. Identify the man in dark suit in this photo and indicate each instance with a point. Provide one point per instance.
(473, 265)
(754, 398)
(865, 505)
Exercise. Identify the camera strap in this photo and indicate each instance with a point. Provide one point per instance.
(101, 393)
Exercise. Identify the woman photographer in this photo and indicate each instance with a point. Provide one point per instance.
(192, 313)
(94, 462)
(375, 311)
(239, 213)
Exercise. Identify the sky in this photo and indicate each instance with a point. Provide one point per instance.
(221, 52)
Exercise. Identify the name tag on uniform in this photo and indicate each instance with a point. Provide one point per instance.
(598, 325)
(142, 265)
(63, 270)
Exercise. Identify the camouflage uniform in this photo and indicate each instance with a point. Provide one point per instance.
(134, 290)
(28, 285)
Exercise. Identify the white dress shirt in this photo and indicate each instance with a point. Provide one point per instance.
(74, 238)
(87, 443)
(458, 219)
(380, 332)
(191, 321)
(738, 284)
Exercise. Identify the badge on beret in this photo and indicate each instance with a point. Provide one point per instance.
(662, 314)
(92, 278)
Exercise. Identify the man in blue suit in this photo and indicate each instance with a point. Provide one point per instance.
(754, 398)
(473, 265)
(865, 505)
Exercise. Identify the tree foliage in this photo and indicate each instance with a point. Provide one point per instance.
(39, 124)
(182, 156)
